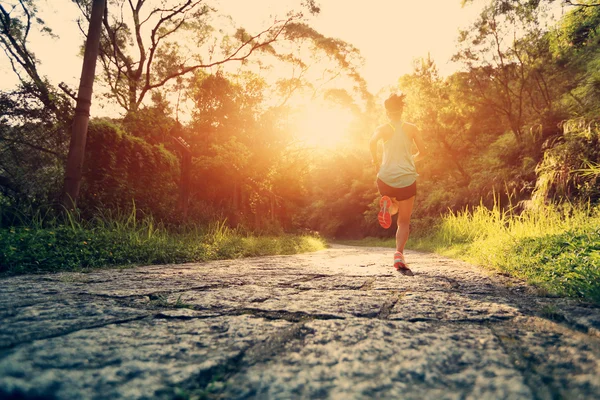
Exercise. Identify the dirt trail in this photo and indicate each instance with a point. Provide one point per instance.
(339, 324)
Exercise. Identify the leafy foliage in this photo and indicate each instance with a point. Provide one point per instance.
(567, 170)
(122, 169)
(33, 146)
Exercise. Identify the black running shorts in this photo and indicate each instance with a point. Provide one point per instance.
(399, 194)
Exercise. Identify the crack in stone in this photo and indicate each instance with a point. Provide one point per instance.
(32, 303)
(525, 364)
(67, 332)
(162, 315)
(576, 326)
(297, 281)
(206, 383)
(299, 316)
(475, 321)
(159, 293)
(387, 307)
(368, 285)
(292, 316)
(272, 346)
(273, 315)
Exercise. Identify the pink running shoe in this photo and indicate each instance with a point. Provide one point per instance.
(384, 216)
(400, 264)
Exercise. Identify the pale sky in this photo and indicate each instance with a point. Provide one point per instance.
(390, 34)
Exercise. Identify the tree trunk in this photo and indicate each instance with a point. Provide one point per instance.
(185, 183)
(132, 94)
(74, 166)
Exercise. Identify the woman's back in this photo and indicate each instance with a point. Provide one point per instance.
(398, 165)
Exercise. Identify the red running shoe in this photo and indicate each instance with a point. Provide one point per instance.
(384, 216)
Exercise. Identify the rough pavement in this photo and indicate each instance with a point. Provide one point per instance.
(338, 324)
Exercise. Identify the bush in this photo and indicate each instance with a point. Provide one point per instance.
(120, 169)
(567, 170)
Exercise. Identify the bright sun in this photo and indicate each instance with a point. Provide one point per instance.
(323, 126)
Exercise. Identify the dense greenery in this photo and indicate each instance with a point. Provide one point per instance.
(126, 169)
(515, 125)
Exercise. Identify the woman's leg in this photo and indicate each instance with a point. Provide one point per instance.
(394, 207)
(405, 208)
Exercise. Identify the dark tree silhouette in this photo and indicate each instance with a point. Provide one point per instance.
(82, 110)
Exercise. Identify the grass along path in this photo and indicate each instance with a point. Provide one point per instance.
(80, 246)
(556, 248)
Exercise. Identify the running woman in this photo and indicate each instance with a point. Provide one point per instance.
(396, 174)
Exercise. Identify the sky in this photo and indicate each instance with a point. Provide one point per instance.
(390, 34)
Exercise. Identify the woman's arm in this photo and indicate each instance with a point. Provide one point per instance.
(373, 146)
(383, 132)
(415, 135)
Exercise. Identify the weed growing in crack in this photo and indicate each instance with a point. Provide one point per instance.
(180, 304)
(162, 300)
(159, 300)
(551, 312)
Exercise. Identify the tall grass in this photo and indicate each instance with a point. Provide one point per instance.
(556, 247)
(44, 243)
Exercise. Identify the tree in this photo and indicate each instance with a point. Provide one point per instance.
(508, 59)
(315, 61)
(142, 54)
(35, 116)
(575, 48)
(73, 170)
(16, 24)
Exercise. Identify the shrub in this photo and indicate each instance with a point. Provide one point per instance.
(120, 169)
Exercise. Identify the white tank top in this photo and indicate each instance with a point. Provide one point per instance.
(398, 165)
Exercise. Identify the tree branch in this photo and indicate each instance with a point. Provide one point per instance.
(138, 37)
(10, 59)
(26, 11)
(31, 145)
(231, 57)
(174, 11)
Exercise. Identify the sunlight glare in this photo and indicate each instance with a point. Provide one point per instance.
(323, 126)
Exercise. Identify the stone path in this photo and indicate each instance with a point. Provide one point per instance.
(336, 324)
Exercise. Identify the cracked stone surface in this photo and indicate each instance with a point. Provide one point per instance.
(335, 324)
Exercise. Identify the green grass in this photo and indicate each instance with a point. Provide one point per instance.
(556, 248)
(75, 245)
(369, 242)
